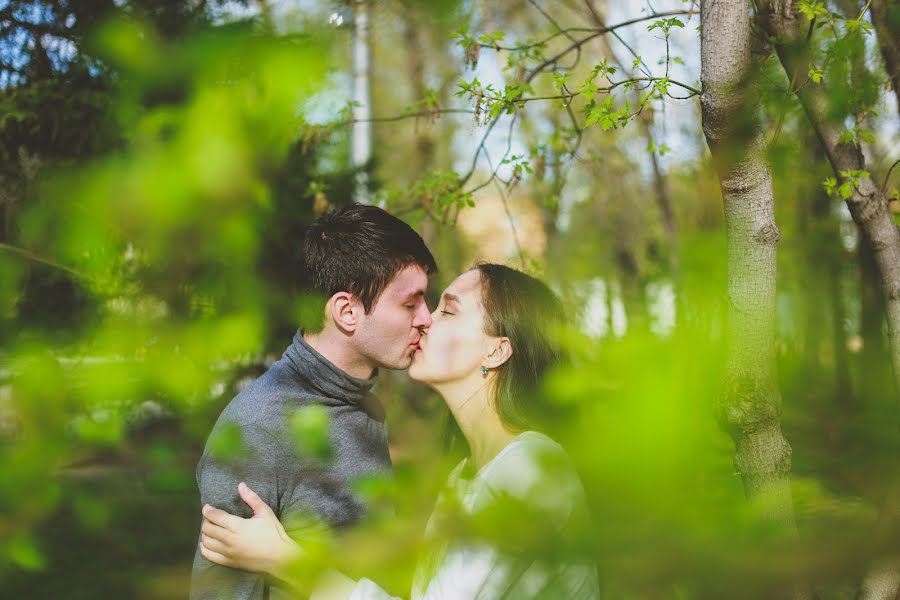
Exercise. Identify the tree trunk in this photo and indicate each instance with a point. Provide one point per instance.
(751, 405)
(361, 143)
(886, 17)
(882, 581)
(868, 207)
(867, 204)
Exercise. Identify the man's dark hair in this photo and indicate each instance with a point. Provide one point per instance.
(359, 249)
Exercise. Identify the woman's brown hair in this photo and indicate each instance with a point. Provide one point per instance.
(523, 309)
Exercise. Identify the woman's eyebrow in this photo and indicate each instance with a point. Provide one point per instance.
(451, 298)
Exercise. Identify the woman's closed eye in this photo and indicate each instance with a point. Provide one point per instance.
(444, 312)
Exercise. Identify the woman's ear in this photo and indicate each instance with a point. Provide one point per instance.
(345, 310)
(501, 352)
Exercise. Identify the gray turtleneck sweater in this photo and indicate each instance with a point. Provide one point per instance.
(306, 493)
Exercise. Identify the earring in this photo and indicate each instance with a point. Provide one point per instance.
(484, 371)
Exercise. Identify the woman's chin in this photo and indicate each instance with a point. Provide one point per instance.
(418, 372)
(415, 369)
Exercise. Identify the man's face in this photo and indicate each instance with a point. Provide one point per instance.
(389, 334)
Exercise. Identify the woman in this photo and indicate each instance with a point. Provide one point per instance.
(490, 343)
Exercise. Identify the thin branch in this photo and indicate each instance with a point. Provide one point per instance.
(694, 91)
(471, 171)
(792, 89)
(668, 57)
(888, 176)
(578, 137)
(547, 16)
(575, 46)
(494, 171)
(864, 10)
(424, 113)
(502, 192)
(593, 31)
(603, 30)
(35, 258)
(644, 68)
(590, 6)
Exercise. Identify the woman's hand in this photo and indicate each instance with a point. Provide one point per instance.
(257, 544)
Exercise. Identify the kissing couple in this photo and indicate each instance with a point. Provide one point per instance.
(485, 350)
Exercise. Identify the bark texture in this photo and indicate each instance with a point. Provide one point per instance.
(751, 405)
(886, 17)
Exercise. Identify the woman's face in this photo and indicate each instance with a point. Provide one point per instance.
(454, 347)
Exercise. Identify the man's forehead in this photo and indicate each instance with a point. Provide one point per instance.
(410, 281)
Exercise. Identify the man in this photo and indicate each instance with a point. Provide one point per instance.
(373, 269)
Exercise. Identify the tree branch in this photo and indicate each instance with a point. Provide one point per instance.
(35, 258)
(593, 31)
(424, 113)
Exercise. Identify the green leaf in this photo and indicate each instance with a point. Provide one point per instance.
(812, 8)
(227, 442)
(816, 74)
(309, 427)
(560, 79)
(845, 190)
(24, 552)
(492, 38)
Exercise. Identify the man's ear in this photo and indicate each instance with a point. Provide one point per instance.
(500, 353)
(345, 311)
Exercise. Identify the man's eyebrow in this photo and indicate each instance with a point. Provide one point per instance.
(415, 294)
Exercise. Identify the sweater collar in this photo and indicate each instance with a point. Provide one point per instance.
(324, 377)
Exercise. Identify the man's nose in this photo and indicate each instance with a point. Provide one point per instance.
(423, 317)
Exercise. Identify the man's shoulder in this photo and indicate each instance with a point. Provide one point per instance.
(265, 398)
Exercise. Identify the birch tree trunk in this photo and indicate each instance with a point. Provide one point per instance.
(361, 144)
(751, 404)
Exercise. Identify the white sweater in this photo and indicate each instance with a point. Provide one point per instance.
(535, 472)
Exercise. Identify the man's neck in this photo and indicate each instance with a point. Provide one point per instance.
(334, 347)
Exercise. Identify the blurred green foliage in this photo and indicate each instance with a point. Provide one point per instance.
(156, 178)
